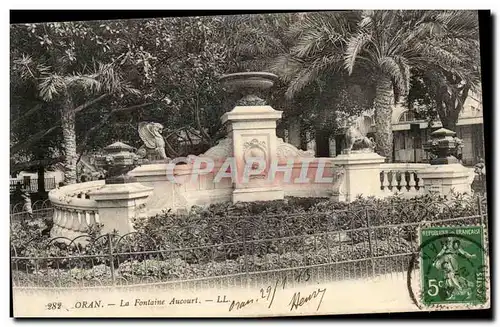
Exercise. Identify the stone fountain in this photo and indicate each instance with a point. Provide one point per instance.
(252, 134)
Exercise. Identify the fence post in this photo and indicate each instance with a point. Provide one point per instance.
(245, 254)
(480, 209)
(111, 261)
(370, 240)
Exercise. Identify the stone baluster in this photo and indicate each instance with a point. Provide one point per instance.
(57, 220)
(411, 182)
(75, 223)
(394, 182)
(64, 221)
(88, 217)
(69, 233)
(418, 182)
(82, 218)
(385, 182)
(403, 182)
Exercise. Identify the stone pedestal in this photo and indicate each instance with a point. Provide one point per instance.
(442, 179)
(253, 132)
(119, 204)
(361, 174)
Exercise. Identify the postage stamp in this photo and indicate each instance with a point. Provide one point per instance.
(452, 265)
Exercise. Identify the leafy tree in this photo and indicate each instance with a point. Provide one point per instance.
(99, 66)
(67, 65)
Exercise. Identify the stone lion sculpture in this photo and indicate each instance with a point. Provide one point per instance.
(356, 135)
(154, 144)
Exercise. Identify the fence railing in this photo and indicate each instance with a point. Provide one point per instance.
(32, 184)
(20, 210)
(236, 250)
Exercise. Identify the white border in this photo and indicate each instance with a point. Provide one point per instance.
(190, 4)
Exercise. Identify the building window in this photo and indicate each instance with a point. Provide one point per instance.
(407, 116)
(399, 141)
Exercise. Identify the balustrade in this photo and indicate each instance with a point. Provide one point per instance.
(401, 179)
(74, 211)
(71, 222)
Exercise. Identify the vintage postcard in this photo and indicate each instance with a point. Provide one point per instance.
(249, 165)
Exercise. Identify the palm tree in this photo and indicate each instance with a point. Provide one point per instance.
(382, 46)
(65, 91)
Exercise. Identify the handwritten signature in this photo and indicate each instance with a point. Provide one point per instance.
(298, 300)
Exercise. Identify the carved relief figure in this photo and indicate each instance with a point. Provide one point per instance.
(356, 135)
(154, 144)
(254, 149)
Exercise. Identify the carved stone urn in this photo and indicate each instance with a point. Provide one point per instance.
(118, 159)
(252, 136)
(445, 146)
(249, 87)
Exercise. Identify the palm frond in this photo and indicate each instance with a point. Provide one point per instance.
(318, 32)
(435, 52)
(391, 67)
(127, 88)
(460, 23)
(365, 22)
(87, 82)
(25, 67)
(286, 67)
(311, 71)
(354, 46)
(50, 86)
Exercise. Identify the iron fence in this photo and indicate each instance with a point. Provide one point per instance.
(223, 251)
(40, 209)
(31, 185)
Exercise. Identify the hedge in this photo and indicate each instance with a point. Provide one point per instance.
(311, 230)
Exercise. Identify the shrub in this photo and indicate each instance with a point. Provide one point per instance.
(264, 225)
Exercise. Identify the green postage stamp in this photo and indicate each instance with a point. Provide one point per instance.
(453, 265)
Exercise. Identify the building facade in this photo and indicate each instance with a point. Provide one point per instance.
(408, 145)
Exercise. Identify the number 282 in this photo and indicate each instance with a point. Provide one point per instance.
(54, 305)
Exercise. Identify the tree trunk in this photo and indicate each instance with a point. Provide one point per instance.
(450, 101)
(449, 124)
(41, 180)
(383, 117)
(322, 144)
(69, 140)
